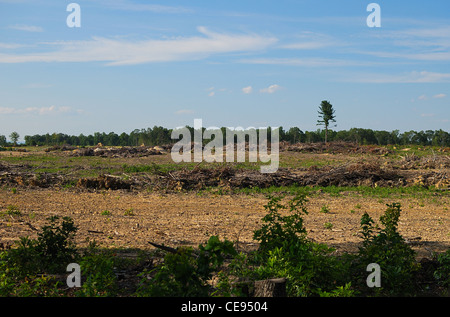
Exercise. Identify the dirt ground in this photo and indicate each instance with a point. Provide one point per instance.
(123, 219)
(119, 212)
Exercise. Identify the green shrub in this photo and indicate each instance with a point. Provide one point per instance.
(22, 268)
(387, 248)
(55, 244)
(50, 252)
(13, 282)
(186, 273)
(442, 273)
(285, 252)
(97, 273)
(280, 230)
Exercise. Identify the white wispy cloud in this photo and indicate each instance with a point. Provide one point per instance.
(419, 44)
(27, 28)
(423, 97)
(10, 45)
(123, 52)
(271, 89)
(247, 90)
(184, 111)
(307, 62)
(308, 40)
(39, 110)
(405, 78)
(141, 7)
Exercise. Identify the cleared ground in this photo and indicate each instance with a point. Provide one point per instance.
(165, 204)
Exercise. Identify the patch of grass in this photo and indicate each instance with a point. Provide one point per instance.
(129, 212)
(150, 168)
(12, 210)
(336, 191)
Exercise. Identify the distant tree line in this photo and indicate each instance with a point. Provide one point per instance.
(162, 136)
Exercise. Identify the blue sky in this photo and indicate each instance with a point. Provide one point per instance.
(136, 64)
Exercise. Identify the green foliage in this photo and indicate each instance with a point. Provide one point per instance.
(185, 273)
(280, 230)
(162, 136)
(340, 291)
(156, 169)
(22, 268)
(54, 242)
(387, 248)
(14, 136)
(13, 282)
(285, 252)
(442, 273)
(50, 252)
(97, 271)
(326, 114)
(12, 210)
(310, 269)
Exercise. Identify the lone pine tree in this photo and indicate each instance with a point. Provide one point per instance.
(326, 114)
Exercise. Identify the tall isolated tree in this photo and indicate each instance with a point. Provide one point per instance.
(326, 114)
(14, 136)
(2, 140)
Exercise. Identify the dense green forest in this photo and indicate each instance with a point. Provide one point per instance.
(162, 136)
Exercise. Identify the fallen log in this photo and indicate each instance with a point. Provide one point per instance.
(162, 247)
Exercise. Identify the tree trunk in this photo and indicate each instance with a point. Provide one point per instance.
(270, 288)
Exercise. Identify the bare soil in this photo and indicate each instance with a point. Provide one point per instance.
(187, 219)
(119, 211)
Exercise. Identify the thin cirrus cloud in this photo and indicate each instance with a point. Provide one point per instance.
(268, 90)
(184, 111)
(311, 40)
(122, 52)
(39, 110)
(307, 62)
(123, 5)
(405, 78)
(425, 44)
(271, 89)
(27, 28)
(425, 97)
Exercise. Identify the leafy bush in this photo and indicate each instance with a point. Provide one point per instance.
(185, 273)
(442, 273)
(97, 272)
(22, 268)
(55, 244)
(387, 248)
(13, 282)
(50, 252)
(285, 252)
(282, 231)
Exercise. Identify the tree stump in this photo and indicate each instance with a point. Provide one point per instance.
(270, 288)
